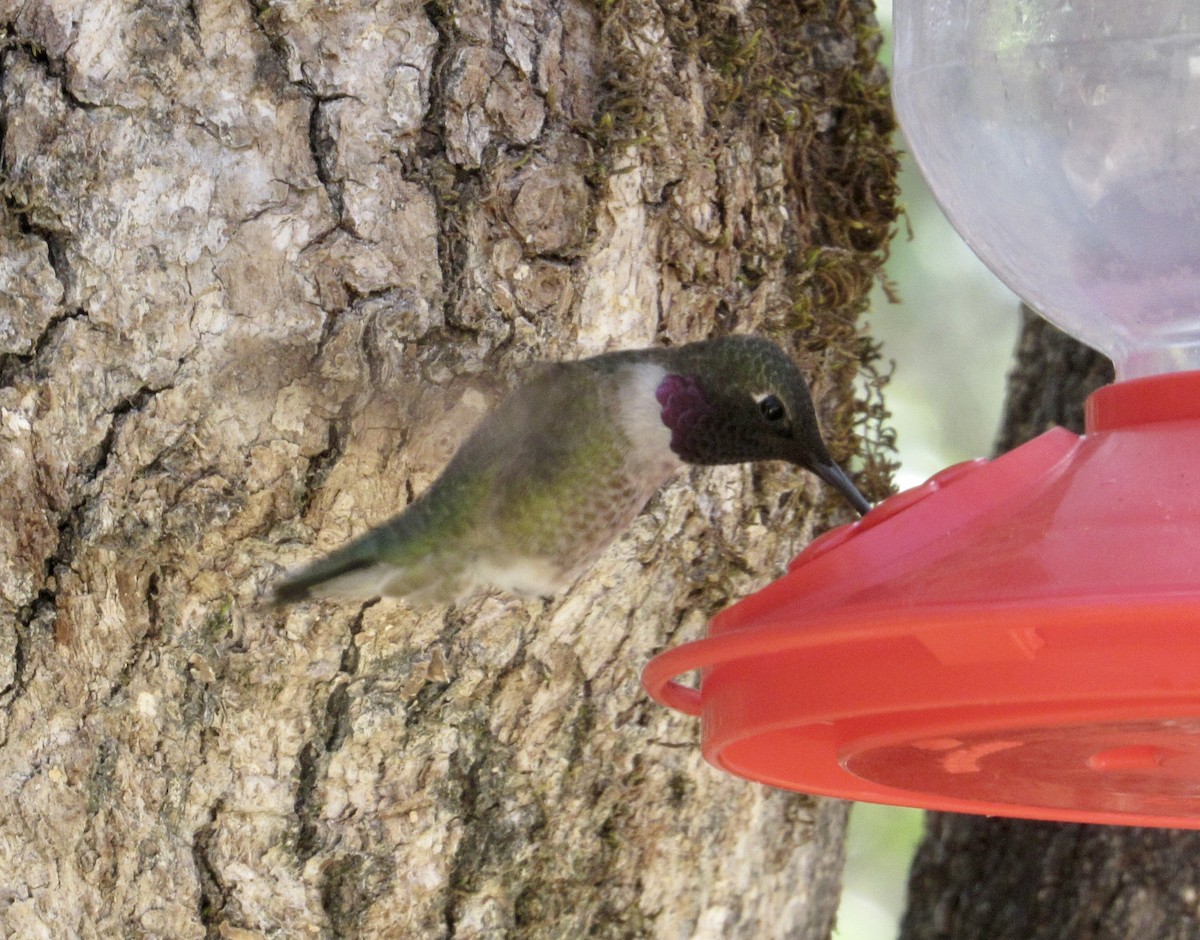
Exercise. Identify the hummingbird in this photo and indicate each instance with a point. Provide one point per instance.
(563, 465)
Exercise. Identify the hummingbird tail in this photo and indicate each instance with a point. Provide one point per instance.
(353, 571)
(317, 581)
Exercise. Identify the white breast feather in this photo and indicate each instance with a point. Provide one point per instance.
(641, 417)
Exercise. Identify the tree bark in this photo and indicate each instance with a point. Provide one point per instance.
(975, 877)
(264, 264)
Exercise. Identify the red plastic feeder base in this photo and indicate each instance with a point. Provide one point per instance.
(1019, 637)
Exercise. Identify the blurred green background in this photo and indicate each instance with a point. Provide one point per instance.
(951, 339)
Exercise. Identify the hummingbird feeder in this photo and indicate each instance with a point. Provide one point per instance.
(1021, 636)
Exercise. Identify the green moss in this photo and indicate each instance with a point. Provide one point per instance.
(796, 84)
(219, 622)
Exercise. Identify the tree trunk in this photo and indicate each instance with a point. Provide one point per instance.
(1000, 878)
(264, 264)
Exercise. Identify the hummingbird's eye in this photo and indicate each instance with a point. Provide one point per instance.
(772, 408)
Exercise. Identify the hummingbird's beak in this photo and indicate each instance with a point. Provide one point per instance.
(836, 477)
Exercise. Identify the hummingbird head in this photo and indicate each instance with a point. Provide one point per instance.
(741, 398)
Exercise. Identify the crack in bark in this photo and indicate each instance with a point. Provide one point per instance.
(152, 633)
(54, 240)
(454, 244)
(11, 364)
(214, 895)
(583, 723)
(321, 141)
(454, 188)
(323, 147)
(4, 55)
(341, 892)
(331, 733)
(70, 528)
(260, 14)
(129, 405)
(192, 24)
(37, 615)
(69, 525)
(307, 804)
(356, 301)
(56, 253)
(42, 612)
(349, 885)
(53, 68)
(319, 466)
(467, 856)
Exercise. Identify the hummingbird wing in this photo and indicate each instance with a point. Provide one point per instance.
(479, 523)
(592, 451)
(569, 452)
